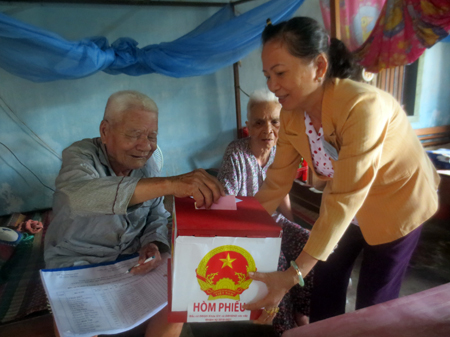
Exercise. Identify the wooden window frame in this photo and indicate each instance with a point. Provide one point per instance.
(405, 84)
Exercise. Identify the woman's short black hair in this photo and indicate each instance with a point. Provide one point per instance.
(306, 39)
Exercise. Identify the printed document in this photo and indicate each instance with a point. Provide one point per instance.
(104, 299)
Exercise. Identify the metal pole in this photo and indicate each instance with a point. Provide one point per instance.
(237, 95)
(240, 2)
(129, 2)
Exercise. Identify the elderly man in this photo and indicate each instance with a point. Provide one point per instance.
(109, 200)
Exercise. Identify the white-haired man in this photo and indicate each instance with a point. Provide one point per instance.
(109, 200)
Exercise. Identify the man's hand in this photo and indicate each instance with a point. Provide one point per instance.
(147, 251)
(205, 188)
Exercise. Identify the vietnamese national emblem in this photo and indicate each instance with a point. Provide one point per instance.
(223, 272)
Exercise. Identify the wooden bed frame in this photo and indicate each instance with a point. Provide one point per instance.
(434, 136)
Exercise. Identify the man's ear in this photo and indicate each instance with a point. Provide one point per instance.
(104, 130)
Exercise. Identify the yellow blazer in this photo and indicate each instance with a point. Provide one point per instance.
(382, 175)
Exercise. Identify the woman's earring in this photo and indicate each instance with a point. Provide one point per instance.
(319, 79)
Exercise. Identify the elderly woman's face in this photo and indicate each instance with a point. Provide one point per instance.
(264, 123)
(131, 141)
(290, 78)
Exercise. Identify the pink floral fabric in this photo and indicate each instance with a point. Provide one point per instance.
(357, 19)
(389, 33)
(403, 31)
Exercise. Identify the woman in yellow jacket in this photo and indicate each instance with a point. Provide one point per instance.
(361, 144)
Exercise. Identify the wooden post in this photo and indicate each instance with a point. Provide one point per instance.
(335, 19)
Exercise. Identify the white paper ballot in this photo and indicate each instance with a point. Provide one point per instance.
(104, 299)
(227, 202)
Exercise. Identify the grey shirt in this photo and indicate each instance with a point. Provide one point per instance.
(92, 223)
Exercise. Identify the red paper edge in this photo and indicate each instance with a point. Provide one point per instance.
(181, 316)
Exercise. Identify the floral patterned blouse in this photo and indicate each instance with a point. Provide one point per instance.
(241, 174)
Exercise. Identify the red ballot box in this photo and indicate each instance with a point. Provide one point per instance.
(212, 253)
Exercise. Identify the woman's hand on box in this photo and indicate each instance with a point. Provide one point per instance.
(278, 284)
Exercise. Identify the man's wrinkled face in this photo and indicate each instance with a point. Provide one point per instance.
(131, 140)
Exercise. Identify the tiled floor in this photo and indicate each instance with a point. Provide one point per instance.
(429, 267)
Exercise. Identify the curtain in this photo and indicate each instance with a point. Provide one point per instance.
(38, 55)
(403, 31)
(357, 19)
